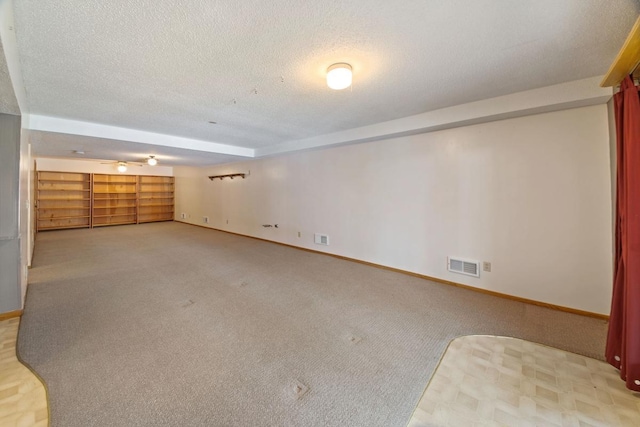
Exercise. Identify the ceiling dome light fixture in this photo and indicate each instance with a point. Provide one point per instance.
(122, 167)
(151, 161)
(339, 76)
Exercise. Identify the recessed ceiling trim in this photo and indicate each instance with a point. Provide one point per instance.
(578, 93)
(563, 96)
(75, 127)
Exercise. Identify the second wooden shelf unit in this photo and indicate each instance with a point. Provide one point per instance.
(114, 200)
(155, 198)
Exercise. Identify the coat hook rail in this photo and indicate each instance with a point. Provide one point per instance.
(231, 175)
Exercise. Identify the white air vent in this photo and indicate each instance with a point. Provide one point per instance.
(464, 266)
(321, 239)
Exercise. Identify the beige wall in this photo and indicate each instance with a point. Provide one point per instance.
(25, 210)
(90, 166)
(531, 195)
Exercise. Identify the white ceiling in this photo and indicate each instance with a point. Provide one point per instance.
(52, 144)
(257, 67)
(8, 101)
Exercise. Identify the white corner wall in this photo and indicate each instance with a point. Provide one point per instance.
(531, 195)
(24, 215)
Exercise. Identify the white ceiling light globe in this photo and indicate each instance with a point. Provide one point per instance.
(151, 161)
(339, 76)
(122, 167)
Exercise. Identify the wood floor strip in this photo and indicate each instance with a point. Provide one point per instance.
(10, 314)
(23, 394)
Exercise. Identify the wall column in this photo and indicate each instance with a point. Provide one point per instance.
(10, 265)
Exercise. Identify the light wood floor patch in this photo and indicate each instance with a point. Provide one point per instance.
(23, 399)
(495, 381)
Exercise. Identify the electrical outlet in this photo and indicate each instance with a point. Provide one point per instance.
(183, 215)
(227, 221)
(205, 219)
(299, 234)
(486, 266)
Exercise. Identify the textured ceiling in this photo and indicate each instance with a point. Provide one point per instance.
(257, 67)
(50, 144)
(8, 101)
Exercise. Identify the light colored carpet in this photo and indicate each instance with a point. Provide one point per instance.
(168, 324)
(495, 381)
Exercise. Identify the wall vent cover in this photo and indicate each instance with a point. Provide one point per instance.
(464, 266)
(321, 239)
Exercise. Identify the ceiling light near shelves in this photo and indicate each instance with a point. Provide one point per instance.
(122, 167)
(152, 161)
(339, 76)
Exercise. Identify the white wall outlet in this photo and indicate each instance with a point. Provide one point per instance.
(486, 266)
(183, 215)
(321, 239)
(205, 219)
(299, 234)
(227, 221)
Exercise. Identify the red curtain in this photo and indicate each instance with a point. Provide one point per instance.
(623, 339)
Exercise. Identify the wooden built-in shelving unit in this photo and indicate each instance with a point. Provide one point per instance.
(64, 200)
(75, 200)
(114, 200)
(155, 198)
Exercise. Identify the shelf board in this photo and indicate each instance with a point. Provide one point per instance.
(155, 198)
(61, 189)
(114, 198)
(131, 204)
(64, 226)
(107, 216)
(65, 180)
(114, 223)
(63, 217)
(60, 199)
(114, 192)
(155, 204)
(157, 183)
(156, 220)
(61, 207)
(155, 213)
